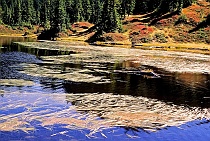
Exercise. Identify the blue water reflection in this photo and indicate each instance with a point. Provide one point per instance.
(47, 96)
(193, 131)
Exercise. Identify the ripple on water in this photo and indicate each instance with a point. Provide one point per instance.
(45, 110)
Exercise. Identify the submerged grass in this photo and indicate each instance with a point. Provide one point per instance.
(132, 111)
(97, 112)
(76, 75)
(113, 110)
(167, 60)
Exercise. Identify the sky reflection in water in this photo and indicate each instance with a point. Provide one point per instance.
(27, 102)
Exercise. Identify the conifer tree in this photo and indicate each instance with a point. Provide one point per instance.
(105, 13)
(110, 17)
(7, 16)
(6, 12)
(86, 10)
(27, 12)
(45, 13)
(1, 12)
(60, 13)
(78, 11)
(96, 11)
(17, 15)
(69, 12)
(37, 10)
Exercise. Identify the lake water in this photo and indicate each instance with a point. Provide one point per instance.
(41, 98)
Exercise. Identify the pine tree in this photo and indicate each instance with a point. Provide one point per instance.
(86, 10)
(17, 15)
(61, 15)
(96, 11)
(110, 17)
(45, 16)
(1, 13)
(78, 11)
(69, 12)
(37, 9)
(130, 6)
(27, 12)
(109, 13)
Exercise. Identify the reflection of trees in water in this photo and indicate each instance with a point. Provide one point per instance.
(192, 79)
(37, 51)
(168, 89)
(7, 41)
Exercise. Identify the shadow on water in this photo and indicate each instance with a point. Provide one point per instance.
(179, 88)
(7, 41)
(35, 51)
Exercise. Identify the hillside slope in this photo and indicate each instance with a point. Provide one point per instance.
(191, 26)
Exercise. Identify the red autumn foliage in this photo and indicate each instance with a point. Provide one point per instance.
(114, 37)
(196, 12)
(82, 25)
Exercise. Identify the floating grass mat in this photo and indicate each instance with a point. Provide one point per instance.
(16, 82)
(131, 111)
(97, 112)
(1, 91)
(15, 124)
(167, 60)
(69, 74)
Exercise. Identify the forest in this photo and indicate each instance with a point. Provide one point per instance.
(108, 14)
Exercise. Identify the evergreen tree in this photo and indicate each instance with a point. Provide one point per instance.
(1, 13)
(96, 11)
(45, 13)
(7, 16)
(17, 15)
(110, 17)
(86, 10)
(60, 15)
(37, 9)
(78, 11)
(28, 12)
(105, 13)
(69, 12)
(127, 7)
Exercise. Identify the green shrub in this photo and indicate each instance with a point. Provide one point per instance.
(40, 30)
(47, 25)
(160, 37)
(145, 40)
(208, 40)
(20, 28)
(28, 25)
(1, 22)
(68, 26)
(182, 19)
(8, 26)
(14, 28)
(201, 35)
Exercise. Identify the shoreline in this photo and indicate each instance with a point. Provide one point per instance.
(200, 48)
(170, 61)
(34, 36)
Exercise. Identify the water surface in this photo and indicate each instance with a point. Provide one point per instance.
(48, 87)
